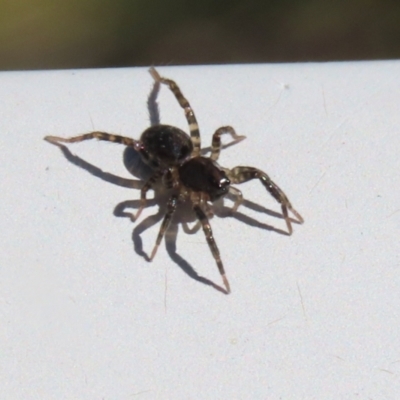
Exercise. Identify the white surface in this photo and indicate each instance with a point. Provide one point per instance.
(311, 316)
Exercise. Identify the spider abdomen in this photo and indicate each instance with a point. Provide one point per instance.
(165, 145)
(202, 174)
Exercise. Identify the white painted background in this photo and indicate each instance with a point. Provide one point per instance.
(311, 316)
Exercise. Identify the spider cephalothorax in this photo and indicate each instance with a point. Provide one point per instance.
(203, 175)
(175, 159)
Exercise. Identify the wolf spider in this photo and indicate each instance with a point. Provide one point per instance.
(176, 159)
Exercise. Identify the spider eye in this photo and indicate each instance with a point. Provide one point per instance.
(223, 182)
(219, 184)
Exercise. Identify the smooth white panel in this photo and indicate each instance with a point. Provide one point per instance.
(311, 316)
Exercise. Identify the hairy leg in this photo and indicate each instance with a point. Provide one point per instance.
(191, 119)
(108, 137)
(216, 140)
(143, 191)
(244, 174)
(239, 198)
(171, 208)
(212, 244)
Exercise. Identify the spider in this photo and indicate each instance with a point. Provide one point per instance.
(176, 160)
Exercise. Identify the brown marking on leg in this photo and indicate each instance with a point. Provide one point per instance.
(244, 174)
(216, 140)
(212, 244)
(239, 198)
(168, 179)
(108, 137)
(145, 188)
(190, 117)
(171, 208)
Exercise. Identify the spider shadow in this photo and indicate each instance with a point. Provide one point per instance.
(97, 172)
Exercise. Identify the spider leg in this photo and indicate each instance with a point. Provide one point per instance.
(216, 140)
(244, 174)
(211, 243)
(239, 198)
(171, 178)
(109, 137)
(171, 208)
(209, 213)
(145, 188)
(152, 104)
(190, 117)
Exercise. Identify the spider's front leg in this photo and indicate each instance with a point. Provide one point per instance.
(108, 137)
(237, 194)
(244, 174)
(216, 140)
(190, 117)
(211, 243)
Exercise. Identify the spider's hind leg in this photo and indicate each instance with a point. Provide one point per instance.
(190, 117)
(244, 174)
